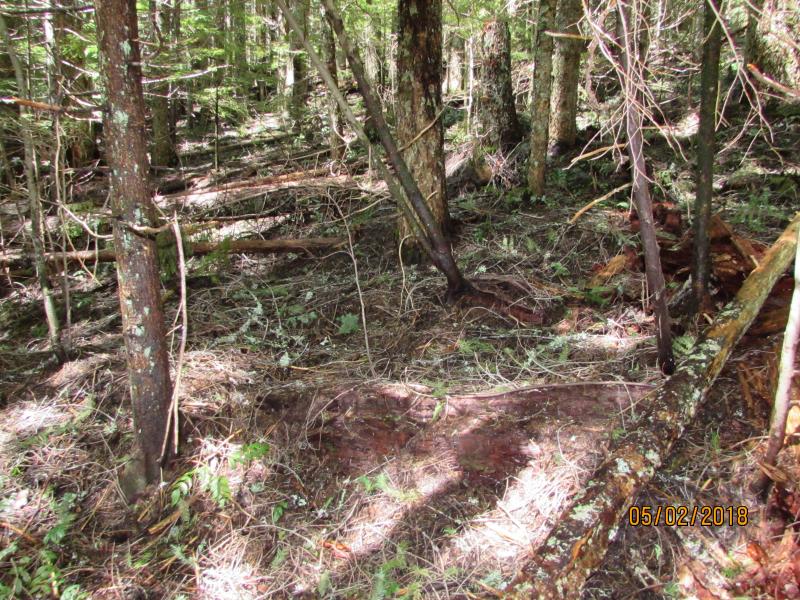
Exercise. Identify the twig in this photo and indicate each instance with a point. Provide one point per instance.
(181, 348)
(358, 286)
(593, 203)
(405, 147)
(793, 92)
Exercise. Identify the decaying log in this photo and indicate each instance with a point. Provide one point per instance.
(307, 245)
(580, 538)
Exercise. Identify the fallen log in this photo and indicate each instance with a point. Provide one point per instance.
(580, 538)
(307, 245)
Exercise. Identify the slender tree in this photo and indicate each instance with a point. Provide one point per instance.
(34, 199)
(542, 84)
(709, 86)
(566, 72)
(334, 112)
(163, 153)
(631, 74)
(132, 204)
(296, 69)
(418, 107)
(496, 116)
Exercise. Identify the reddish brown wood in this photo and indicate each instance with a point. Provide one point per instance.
(137, 256)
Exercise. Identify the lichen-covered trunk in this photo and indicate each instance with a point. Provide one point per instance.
(566, 72)
(419, 100)
(631, 75)
(497, 125)
(540, 107)
(706, 147)
(583, 533)
(137, 260)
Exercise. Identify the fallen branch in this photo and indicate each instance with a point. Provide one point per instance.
(580, 538)
(307, 245)
(257, 182)
(597, 201)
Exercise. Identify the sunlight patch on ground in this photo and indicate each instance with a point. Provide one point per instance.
(228, 571)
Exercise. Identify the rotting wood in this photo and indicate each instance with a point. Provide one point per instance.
(308, 245)
(583, 533)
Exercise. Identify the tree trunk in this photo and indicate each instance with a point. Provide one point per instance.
(298, 80)
(419, 101)
(163, 152)
(496, 121)
(566, 72)
(334, 112)
(631, 76)
(706, 148)
(433, 240)
(132, 203)
(540, 107)
(455, 63)
(583, 533)
(37, 216)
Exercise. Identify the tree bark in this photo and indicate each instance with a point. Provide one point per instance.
(631, 76)
(540, 108)
(419, 101)
(455, 63)
(497, 125)
(299, 72)
(334, 112)
(434, 242)
(566, 73)
(132, 203)
(706, 148)
(583, 533)
(163, 151)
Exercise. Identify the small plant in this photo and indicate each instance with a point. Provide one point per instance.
(249, 453)
(682, 345)
(558, 269)
(348, 323)
(217, 486)
(470, 347)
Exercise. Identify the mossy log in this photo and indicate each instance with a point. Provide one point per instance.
(307, 245)
(583, 533)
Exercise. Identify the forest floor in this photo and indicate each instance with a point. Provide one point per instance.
(347, 435)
